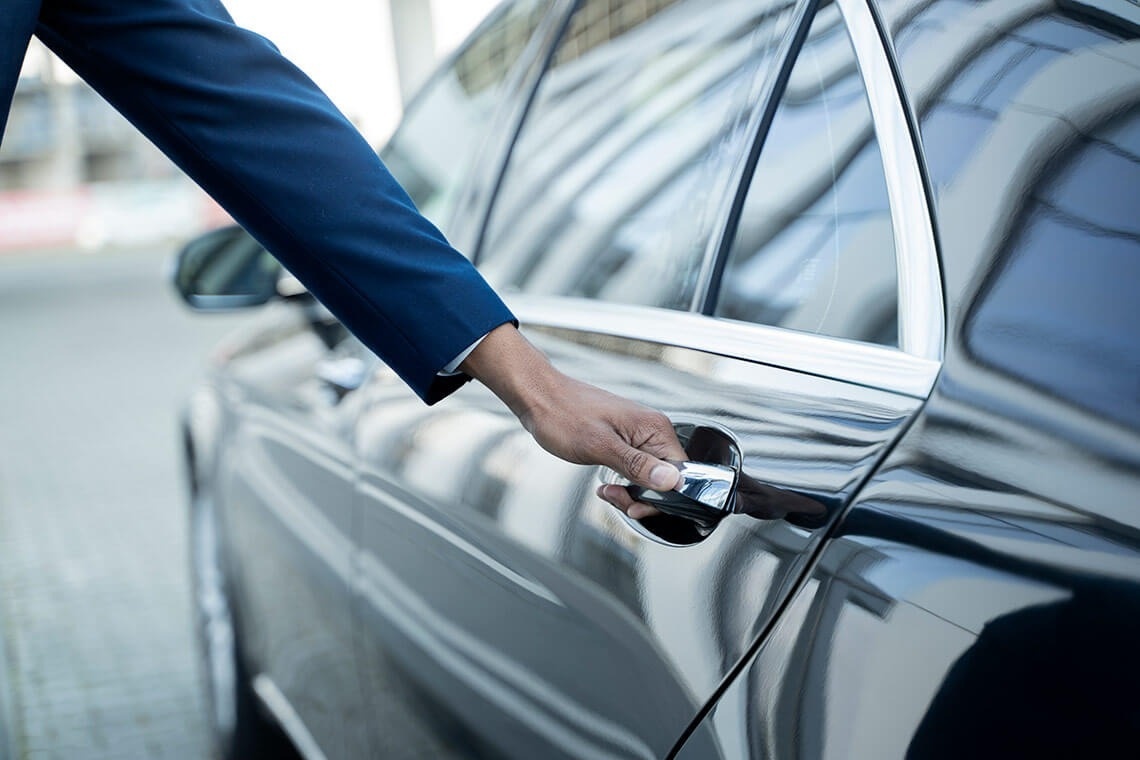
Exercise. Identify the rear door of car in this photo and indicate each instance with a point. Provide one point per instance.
(785, 299)
(981, 597)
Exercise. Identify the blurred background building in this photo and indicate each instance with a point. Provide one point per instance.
(73, 173)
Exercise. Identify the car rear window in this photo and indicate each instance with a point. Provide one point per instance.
(1064, 312)
(965, 62)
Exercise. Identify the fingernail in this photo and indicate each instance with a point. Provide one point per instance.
(663, 477)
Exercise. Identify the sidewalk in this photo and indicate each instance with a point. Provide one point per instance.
(96, 357)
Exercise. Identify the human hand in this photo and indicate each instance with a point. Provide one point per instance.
(577, 421)
(588, 425)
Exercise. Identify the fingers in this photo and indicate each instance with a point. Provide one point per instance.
(644, 464)
(620, 498)
(664, 442)
(643, 468)
(640, 452)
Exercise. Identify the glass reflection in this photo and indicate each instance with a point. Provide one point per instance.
(434, 150)
(1031, 131)
(814, 248)
(1064, 312)
(961, 93)
(612, 190)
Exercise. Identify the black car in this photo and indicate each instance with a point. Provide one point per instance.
(878, 261)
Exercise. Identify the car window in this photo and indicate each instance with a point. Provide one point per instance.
(1030, 122)
(1063, 312)
(434, 150)
(814, 248)
(965, 61)
(614, 186)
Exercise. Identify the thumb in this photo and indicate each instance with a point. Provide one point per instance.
(645, 469)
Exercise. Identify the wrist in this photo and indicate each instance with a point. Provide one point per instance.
(514, 370)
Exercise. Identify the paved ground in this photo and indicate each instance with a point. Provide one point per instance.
(95, 357)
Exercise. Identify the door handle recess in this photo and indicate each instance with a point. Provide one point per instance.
(714, 485)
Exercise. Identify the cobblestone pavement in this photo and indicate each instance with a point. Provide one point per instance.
(96, 356)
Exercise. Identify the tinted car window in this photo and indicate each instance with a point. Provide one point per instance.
(613, 187)
(1029, 122)
(814, 249)
(965, 62)
(1063, 312)
(433, 151)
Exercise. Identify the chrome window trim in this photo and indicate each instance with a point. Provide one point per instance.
(764, 89)
(848, 361)
(910, 370)
(921, 311)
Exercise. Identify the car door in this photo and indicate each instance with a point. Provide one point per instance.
(286, 488)
(649, 245)
(981, 598)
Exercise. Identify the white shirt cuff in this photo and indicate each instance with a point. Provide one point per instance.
(452, 367)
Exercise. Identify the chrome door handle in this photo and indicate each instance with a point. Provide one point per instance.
(710, 485)
(705, 493)
(709, 481)
(714, 485)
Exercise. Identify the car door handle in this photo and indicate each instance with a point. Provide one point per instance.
(714, 485)
(708, 485)
(709, 492)
(705, 493)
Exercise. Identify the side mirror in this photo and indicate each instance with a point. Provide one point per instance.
(226, 269)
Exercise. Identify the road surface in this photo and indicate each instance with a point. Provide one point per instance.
(96, 355)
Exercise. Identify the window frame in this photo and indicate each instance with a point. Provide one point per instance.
(922, 312)
(910, 369)
(477, 195)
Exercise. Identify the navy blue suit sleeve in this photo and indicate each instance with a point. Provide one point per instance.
(269, 146)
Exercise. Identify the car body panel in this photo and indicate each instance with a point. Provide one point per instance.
(964, 604)
(286, 483)
(982, 596)
(535, 615)
(427, 582)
